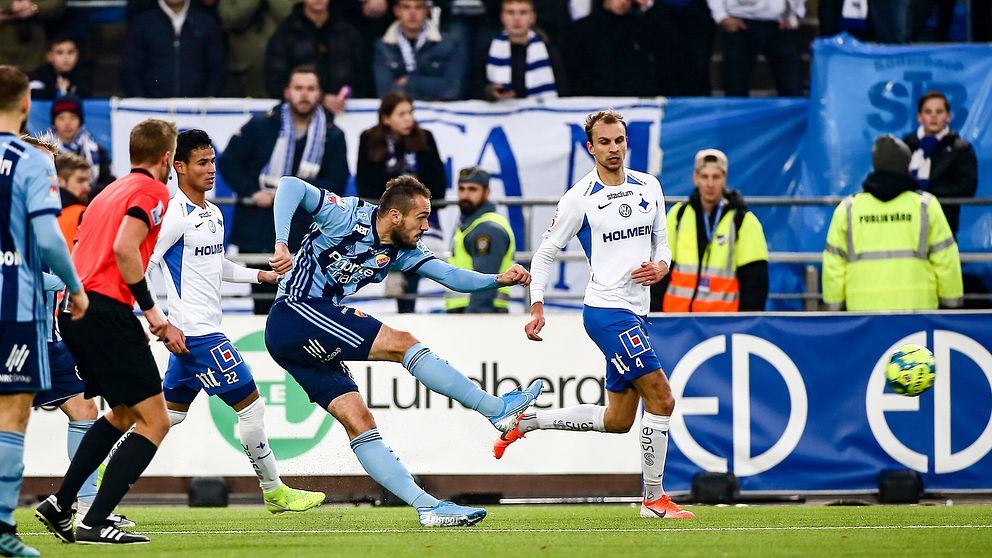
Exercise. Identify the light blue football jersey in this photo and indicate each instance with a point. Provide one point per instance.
(342, 253)
(29, 187)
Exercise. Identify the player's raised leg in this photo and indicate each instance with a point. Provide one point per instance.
(440, 377)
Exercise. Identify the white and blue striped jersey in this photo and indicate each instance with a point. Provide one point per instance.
(342, 253)
(619, 228)
(29, 187)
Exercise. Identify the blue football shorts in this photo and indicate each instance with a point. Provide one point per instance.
(213, 365)
(622, 337)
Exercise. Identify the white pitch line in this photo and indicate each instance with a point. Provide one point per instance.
(604, 530)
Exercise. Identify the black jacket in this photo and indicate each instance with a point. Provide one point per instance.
(887, 185)
(371, 177)
(241, 163)
(953, 172)
(43, 82)
(335, 49)
(156, 64)
(752, 278)
(607, 55)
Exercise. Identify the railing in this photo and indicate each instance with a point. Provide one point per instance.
(810, 296)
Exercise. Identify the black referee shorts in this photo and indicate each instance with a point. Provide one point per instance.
(111, 352)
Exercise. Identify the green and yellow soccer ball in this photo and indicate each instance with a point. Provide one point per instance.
(911, 370)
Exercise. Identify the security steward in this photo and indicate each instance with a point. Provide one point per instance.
(890, 247)
(482, 242)
(719, 255)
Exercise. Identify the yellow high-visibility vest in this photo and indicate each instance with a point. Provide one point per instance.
(894, 255)
(461, 258)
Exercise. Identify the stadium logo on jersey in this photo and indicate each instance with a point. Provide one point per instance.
(381, 260)
(881, 405)
(10, 258)
(625, 211)
(635, 341)
(157, 213)
(332, 198)
(619, 195)
(226, 356)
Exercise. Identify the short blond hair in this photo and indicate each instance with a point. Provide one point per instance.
(608, 116)
(151, 139)
(67, 163)
(46, 141)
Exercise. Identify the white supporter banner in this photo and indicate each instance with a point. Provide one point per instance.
(430, 434)
(533, 149)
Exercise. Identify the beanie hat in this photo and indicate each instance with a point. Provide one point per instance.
(889, 154)
(68, 103)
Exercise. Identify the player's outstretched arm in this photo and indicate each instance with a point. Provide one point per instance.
(236, 273)
(516, 275)
(293, 193)
(56, 255)
(458, 279)
(52, 282)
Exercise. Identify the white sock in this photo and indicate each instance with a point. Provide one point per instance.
(175, 417)
(578, 418)
(654, 448)
(251, 429)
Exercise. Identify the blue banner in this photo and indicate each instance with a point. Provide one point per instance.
(800, 403)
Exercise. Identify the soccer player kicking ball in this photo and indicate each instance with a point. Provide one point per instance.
(619, 217)
(190, 252)
(309, 332)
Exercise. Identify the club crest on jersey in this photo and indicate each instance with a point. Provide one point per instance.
(360, 314)
(157, 213)
(333, 198)
(381, 260)
(644, 206)
(625, 211)
(226, 356)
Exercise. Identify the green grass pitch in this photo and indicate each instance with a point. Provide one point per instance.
(605, 531)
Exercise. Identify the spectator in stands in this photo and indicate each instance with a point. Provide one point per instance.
(889, 247)
(22, 31)
(176, 50)
(766, 27)
(719, 254)
(415, 58)
(473, 23)
(370, 17)
(395, 146)
(611, 52)
(249, 24)
(74, 187)
(310, 36)
(553, 19)
(482, 242)
(943, 162)
(296, 138)
(684, 46)
(68, 125)
(522, 62)
(62, 74)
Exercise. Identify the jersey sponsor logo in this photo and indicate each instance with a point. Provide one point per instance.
(212, 226)
(618, 195)
(624, 234)
(9, 258)
(318, 352)
(381, 260)
(157, 213)
(53, 190)
(361, 229)
(635, 341)
(226, 356)
(208, 250)
(344, 271)
(618, 362)
(625, 211)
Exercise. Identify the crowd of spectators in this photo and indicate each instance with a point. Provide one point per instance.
(451, 49)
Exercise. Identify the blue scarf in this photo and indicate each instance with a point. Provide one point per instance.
(85, 145)
(281, 161)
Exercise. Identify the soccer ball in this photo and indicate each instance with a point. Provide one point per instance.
(911, 370)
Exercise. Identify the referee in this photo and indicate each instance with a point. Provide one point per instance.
(115, 241)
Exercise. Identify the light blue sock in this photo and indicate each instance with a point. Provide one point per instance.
(440, 377)
(385, 468)
(11, 473)
(78, 429)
